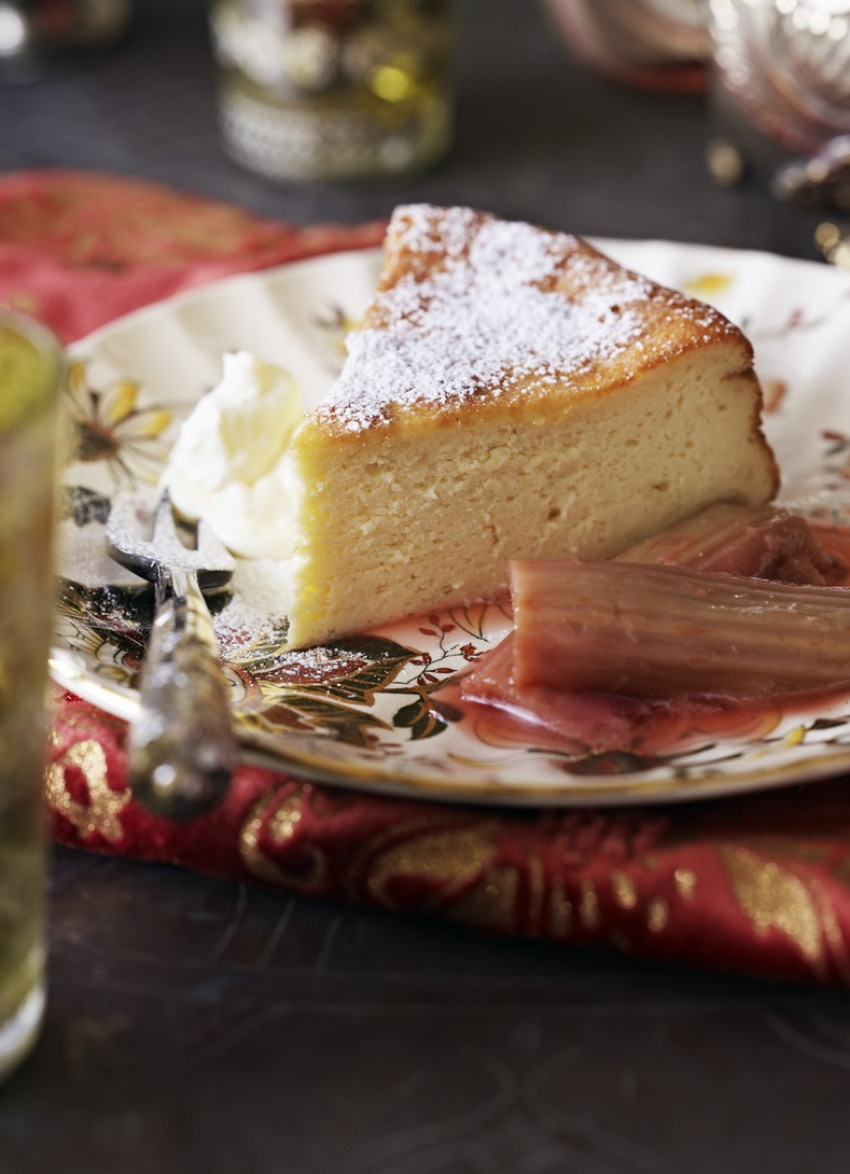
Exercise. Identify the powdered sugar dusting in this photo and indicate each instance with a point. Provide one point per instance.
(258, 604)
(475, 310)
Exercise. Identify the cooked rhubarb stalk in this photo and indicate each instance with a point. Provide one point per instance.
(655, 631)
(766, 542)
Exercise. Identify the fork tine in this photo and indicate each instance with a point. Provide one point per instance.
(209, 547)
(124, 540)
(164, 550)
(164, 527)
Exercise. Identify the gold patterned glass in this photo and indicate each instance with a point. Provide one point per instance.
(30, 376)
(334, 89)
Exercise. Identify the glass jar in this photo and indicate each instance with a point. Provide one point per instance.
(334, 89)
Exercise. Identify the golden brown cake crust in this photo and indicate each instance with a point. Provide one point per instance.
(472, 310)
(512, 393)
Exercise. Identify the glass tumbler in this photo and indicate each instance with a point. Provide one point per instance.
(781, 85)
(334, 89)
(30, 377)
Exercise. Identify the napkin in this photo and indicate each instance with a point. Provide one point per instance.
(758, 885)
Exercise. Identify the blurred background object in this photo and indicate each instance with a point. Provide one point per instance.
(784, 66)
(32, 32)
(661, 46)
(781, 102)
(31, 375)
(334, 89)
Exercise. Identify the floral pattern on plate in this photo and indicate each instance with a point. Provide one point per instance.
(380, 711)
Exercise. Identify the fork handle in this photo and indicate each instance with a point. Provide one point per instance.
(182, 746)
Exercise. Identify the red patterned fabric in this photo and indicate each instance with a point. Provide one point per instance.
(758, 885)
(77, 249)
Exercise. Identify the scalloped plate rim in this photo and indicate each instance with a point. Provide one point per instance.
(639, 788)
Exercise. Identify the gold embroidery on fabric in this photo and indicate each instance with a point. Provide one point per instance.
(657, 914)
(588, 909)
(144, 225)
(560, 915)
(453, 859)
(774, 898)
(403, 831)
(282, 824)
(84, 248)
(686, 883)
(280, 829)
(249, 842)
(101, 812)
(21, 219)
(23, 300)
(625, 889)
(829, 921)
(491, 905)
(158, 233)
(832, 930)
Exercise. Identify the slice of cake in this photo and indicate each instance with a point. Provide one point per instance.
(511, 393)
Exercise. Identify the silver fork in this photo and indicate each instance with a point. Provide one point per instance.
(182, 746)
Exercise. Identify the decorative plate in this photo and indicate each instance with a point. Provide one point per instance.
(378, 712)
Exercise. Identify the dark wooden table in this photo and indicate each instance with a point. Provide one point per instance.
(200, 1026)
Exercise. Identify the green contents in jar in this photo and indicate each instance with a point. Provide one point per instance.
(27, 376)
(30, 373)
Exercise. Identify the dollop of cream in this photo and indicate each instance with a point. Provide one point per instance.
(227, 464)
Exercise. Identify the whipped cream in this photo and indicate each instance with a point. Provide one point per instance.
(228, 462)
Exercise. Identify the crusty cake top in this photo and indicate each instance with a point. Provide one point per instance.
(469, 305)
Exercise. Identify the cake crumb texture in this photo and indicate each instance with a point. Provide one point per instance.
(512, 393)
